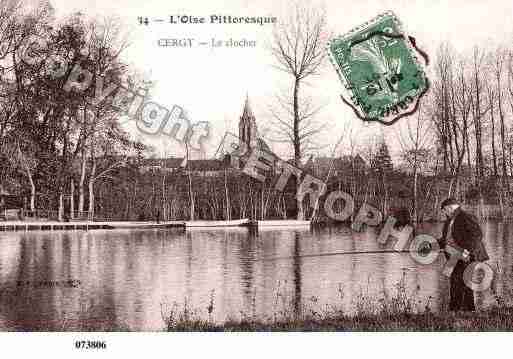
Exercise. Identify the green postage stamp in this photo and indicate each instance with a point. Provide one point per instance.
(377, 64)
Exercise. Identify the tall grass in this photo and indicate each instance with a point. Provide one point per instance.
(399, 311)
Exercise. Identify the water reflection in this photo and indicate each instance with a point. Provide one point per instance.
(128, 278)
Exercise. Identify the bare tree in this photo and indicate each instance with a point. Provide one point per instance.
(449, 110)
(492, 99)
(510, 97)
(500, 59)
(298, 49)
(478, 109)
(415, 146)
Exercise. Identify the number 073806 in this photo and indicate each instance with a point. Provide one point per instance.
(88, 344)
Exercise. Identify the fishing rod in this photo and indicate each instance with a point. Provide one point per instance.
(335, 254)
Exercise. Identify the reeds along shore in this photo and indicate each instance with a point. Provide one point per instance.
(400, 312)
(497, 319)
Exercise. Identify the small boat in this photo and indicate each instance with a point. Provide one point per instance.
(146, 225)
(210, 224)
(283, 223)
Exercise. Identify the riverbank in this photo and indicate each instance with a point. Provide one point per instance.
(496, 319)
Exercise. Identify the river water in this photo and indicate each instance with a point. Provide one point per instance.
(131, 279)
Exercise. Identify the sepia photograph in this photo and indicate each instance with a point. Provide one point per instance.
(243, 166)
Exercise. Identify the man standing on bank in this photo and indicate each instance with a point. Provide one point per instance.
(462, 229)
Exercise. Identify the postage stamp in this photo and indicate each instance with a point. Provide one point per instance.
(378, 65)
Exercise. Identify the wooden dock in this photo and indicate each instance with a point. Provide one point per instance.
(10, 226)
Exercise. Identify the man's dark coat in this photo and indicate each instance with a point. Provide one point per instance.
(466, 234)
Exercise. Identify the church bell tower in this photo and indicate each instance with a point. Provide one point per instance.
(247, 127)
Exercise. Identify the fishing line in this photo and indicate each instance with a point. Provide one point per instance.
(334, 254)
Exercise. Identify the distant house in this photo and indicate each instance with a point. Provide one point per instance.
(169, 165)
(10, 200)
(8, 203)
(208, 167)
(211, 167)
(340, 166)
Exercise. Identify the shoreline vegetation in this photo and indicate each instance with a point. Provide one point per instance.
(496, 319)
(401, 312)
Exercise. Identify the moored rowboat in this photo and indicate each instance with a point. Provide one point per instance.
(283, 223)
(209, 224)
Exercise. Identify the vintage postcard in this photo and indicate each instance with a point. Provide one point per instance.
(254, 166)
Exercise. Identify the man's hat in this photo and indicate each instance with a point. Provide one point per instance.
(448, 201)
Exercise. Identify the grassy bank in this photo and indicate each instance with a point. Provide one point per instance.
(401, 311)
(497, 319)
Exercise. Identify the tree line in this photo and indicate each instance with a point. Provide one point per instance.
(53, 143)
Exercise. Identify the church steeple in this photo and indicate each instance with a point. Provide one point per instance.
(247, 126)
(247, 112)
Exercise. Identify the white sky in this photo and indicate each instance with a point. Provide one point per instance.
(211, 84)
